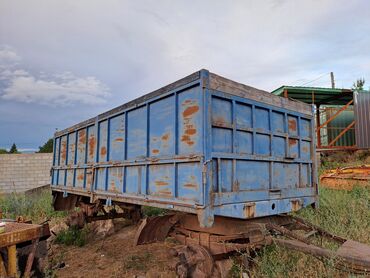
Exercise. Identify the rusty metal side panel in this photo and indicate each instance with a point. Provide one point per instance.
(137, 121)
(162, 133)
(81, 147)
(91, 144)
(260, 154)
(190, 121)
(103, 141)
(117, 138)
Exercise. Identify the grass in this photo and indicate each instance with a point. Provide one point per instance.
(37, 208)
(152, 211)
(138, 262)
(345, 213)
(72, 236)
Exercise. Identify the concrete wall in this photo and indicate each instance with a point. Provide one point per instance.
(20, 172)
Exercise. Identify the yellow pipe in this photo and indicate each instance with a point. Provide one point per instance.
(12, 261)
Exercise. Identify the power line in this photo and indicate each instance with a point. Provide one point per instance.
(315, 79)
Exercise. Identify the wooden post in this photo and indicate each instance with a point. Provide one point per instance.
(318, 135)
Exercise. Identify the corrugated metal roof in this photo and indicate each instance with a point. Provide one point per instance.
(317, 95)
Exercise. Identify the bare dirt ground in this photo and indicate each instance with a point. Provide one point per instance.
(113, 256)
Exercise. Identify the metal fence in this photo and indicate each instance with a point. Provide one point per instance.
(362, 117)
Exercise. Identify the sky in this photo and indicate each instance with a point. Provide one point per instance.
(62, 62)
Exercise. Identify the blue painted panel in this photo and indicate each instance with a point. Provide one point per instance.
(91, 143)
(80, 176)
(61, 177)
(221, 111)
(115, 179)
(55, 177)
(101, 179)
(305, 180)
(278, 146)
(243, 115)
(293, 148)
(226, 175)
(190, 121)
(262, 119)
(117, 138)
(277, 122)
(305, 128)
(244, 142)
(81, 146)
(56, 153)
(262, 144)
(221, 140)
(134, 179)
(306, 149)
(63, 150)
(70, 178)
(293, 125)
(103, 141)
(71, 148)
(136, 133)
(190, 182)
(162, 127)
(285, 175)
(161, 180)
(252, 175)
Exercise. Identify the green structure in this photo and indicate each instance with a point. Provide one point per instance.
(335, 126)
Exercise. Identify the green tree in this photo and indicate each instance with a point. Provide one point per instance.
(13, 149)
(359, 84)
(3, 151)
(47, 147)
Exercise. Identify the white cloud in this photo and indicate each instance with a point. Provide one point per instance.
(56, 89)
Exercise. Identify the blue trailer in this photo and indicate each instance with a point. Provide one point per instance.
(229, 160)
(204, 145)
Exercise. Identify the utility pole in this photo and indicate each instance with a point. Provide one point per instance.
(332, 80)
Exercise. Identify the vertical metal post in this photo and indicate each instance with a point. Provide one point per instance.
(332, 80)
(318, 130)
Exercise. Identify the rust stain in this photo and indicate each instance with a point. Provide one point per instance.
(80, 177)
(219, 120)
(187, 140)
(82, 136)
(91, 146)
(191, 185)
(119, 139)
(161, 183)
(249, 210)
(63, 150)
(165, 137)
(292, 124)
(292, 142)
(155, 151)
(190, 110)
(305, 149)
(190, 131)
(103, 151)
(165, 192)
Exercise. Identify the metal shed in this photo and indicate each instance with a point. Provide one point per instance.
(335, 114)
